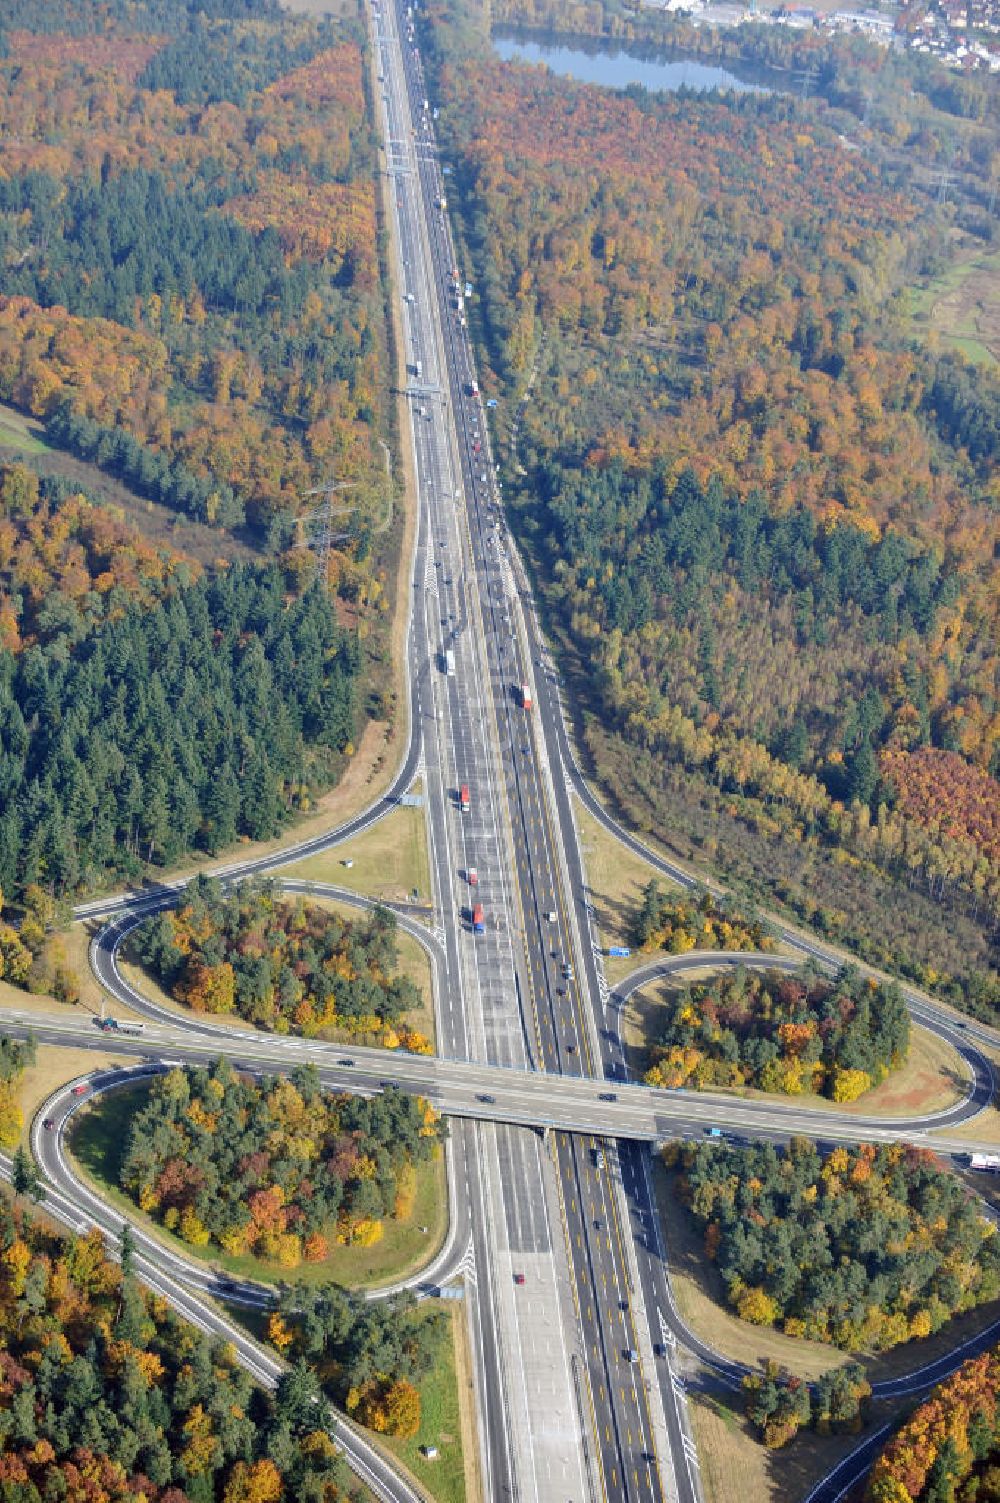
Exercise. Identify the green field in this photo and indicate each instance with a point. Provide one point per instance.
(21, 433)
(98, 1144)
(962, 306)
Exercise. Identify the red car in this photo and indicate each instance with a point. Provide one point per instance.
(519, 1278)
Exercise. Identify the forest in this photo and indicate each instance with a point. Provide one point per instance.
(156, 710)
(784, 1033)
(156, 311)
(948, 1450)
(106, 1395)
(279, 1168)
(762, 516)
(863, 1247)
(281, 964)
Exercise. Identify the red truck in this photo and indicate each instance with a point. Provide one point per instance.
(525, 696)
(463, 798)
(478, 927)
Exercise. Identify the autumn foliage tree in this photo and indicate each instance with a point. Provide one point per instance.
(865, 1247)
(280, 1169)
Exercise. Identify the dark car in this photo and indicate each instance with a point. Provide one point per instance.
(345, 1063)
(49, 1124)
(489, 1100)
(608, 1096)
(659, 1350)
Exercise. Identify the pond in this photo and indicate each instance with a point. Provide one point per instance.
(616, 68)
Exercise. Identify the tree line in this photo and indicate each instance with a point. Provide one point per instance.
(781, 1033)
(278, 1168)
(281, 964)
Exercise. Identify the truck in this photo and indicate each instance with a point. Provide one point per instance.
(473, 388)
(449, 663)
(418, 369)
(985, 1163)
(478, 927)
(119, 1025)
(526, 696)
(463, 798)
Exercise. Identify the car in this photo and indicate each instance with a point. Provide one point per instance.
(659, 1350)
(623, 1304)
(560, 991)
(49, 1124)
(598, 1156)
(598, 1224)
(607, 1096)
(388, 1085)
(519, 1278)
(570, 1048)
(488, 1100)
(345, 1064)
(567, 971)
(631, 1355)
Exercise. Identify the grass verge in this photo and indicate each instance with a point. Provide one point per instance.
(985, 1127)
(53, 1067)
(389, 860)
(440, 1423)
(735, 1467)
(98, 1143)
(615, 880)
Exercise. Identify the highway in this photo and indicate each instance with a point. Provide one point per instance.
(579, 1397)
(513, 1096)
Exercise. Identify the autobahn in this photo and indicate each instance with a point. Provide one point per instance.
(541, 1043)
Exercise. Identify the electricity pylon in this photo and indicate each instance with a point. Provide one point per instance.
(317, 524)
